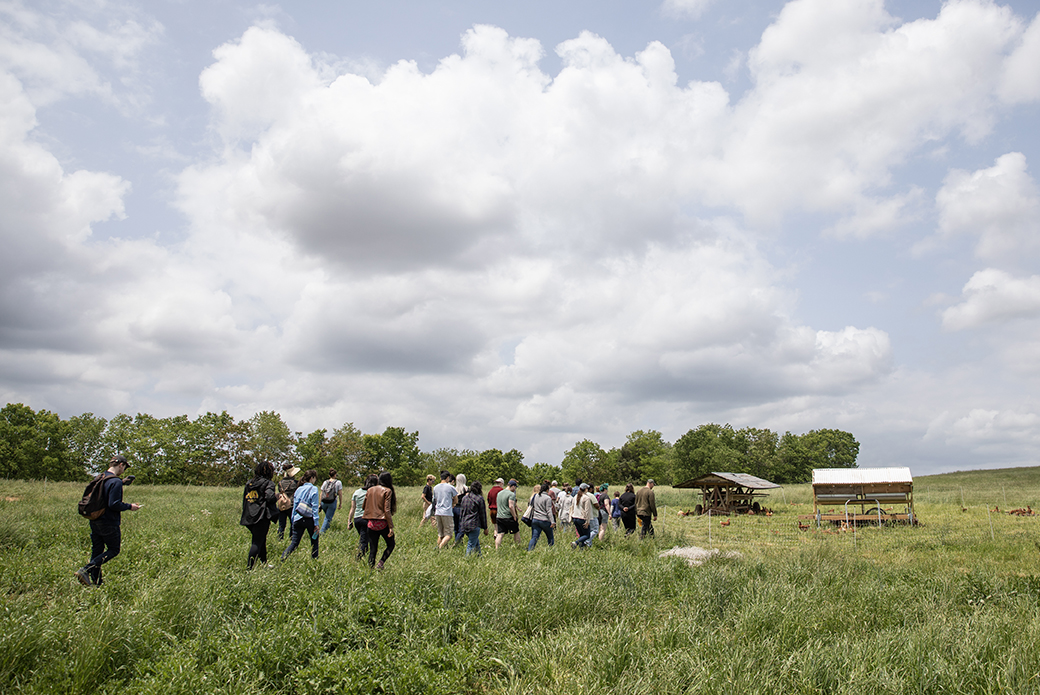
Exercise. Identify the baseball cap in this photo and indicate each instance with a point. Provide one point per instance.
(584, 486)
(499, 481)
(512, 483)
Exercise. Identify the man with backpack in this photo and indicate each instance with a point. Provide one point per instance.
(331, 494)
(105, 534)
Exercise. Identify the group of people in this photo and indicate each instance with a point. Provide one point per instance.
(299, 505)
(458, 510)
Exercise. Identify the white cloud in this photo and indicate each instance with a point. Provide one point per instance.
(685, 9)
(498, 256)
(1020, 81)
(994, 296)
(999, 205)
(988, 430)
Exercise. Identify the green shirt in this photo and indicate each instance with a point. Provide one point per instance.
(503, 504)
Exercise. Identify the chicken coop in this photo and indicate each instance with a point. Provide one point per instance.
(863, 495)
(729, 493)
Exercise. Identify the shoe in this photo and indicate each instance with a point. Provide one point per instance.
(83, 577)
(379, 565)
(574, 544)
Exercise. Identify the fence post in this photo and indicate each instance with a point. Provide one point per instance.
(709, 529)
(990, 515)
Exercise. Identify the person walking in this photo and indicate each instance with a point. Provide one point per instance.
(331, 497)
(427, 500)
(564, 505)
(604, 509)
(105, 534)
(615, 510)
(580, 515)
(305, 514)
(506, 521)
(380, 507)
(444, 500)
(460, 491)
(646, 506)
(492, 498)
(627, 504)
(473, 517)
(258, 509)
(287, 486)
(543, 516)
(357, 512)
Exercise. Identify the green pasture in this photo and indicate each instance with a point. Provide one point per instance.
(952, 606)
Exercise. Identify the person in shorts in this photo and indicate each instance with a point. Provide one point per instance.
(507, 520)
(444, 500)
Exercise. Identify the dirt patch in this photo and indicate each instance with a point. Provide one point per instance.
(698, 556)
(12, 499)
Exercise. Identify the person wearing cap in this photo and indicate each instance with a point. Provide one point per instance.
(506, 520)
(646, 506)
(492, 498)
(105, 534)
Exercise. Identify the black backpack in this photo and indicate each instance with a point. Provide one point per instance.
(95, 501)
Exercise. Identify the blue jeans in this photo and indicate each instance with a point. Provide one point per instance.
(330, 511)
(537, 529)
(473, 544)
(593, 528)
(584, 534)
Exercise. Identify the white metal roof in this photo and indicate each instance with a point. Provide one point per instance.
(859, 476)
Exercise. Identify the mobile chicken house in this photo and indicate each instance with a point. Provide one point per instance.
(864, 495)
(728, 493)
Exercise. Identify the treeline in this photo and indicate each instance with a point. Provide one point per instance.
(215, 449)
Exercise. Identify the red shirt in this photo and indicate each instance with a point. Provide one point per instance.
(493, 497)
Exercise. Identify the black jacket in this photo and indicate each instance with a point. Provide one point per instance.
(473, 513)
(258, 501)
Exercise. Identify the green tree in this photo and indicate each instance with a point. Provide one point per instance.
(347, 453)
(832, 448)
(586, 460)
(397, 451)
(642, 452)
(219, 451)
(315, 452)
(270, 439)
(33, 445)
(760, 451)
(513, 467)
(708, 448)
(85, 436)
(545, 471)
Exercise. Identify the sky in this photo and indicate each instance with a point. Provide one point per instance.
(520, 225)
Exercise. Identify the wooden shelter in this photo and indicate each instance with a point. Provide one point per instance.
(864, 495)
(728, 493)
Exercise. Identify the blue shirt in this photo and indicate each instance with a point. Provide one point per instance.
(308, 495)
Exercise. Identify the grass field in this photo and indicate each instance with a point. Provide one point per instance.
(952, 606)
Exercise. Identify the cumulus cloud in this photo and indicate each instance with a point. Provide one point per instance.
(488, 248)
(999, 205)
(994, 296)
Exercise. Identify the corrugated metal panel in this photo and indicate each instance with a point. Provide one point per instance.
(745, 480)
(860, 476)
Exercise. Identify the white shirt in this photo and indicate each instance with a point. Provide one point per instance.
(443, 498)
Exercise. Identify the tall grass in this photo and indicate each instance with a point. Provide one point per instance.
(939, 609)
